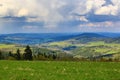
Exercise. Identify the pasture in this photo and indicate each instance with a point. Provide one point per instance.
(59, 70)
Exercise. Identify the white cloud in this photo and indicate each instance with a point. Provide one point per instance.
(98, 7)
(94, 4)
(30, 27)
(101, 8)
(13, 8)
(79, 18)
(99, 27)
(83, 18)
(33, 10)
(23, 12)
(116, 2)
(51, 12)
(84, 7)
(101, 24)
(107, 10)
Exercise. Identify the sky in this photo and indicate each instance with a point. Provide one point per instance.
(59, 16)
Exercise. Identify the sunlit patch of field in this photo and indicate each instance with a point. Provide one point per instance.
(108, 48)
(2, 46)
(11, 47)
(47, 70)
(60, 44)
(98, 47)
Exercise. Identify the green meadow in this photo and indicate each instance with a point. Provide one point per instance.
(55, 70)
(91, 48)
(11, 47)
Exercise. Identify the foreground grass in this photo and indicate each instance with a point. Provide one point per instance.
(25, 70)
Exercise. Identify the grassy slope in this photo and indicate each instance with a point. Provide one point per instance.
(11, 47)
(108, 48)
(23, 70)
(84, 50)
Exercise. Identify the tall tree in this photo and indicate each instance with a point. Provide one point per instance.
(54, 56)
(28, 53)
(10, 54)
(18, 54)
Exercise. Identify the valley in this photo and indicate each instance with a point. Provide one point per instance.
(83, 45)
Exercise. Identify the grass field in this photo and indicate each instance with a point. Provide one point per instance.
(47, 70)
(107, 48)
(11, 47)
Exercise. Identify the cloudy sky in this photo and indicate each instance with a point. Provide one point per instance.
(46, 16)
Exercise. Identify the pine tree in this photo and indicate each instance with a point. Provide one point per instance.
(18, 55)
(28, 53)
(10, 54)
(54, 56)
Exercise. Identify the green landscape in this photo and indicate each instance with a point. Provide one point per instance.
(55, 70)
(61, 60)
(59, 39)
(72, 47)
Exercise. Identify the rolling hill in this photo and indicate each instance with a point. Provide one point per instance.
(78, 44)
(88, 44)
(40, 38)
(34, 38)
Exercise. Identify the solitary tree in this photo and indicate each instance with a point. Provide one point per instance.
(28, 53)
(54, 56)
(10, 54)
(18, 56)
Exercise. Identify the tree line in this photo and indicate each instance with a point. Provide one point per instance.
(34, 54)
(27, 55)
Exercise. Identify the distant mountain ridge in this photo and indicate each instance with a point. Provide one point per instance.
(92, 35)
(89, 37)
(39, 38)
(34, 38)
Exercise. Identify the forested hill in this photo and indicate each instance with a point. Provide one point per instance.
(34, 38)
(39, 38)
